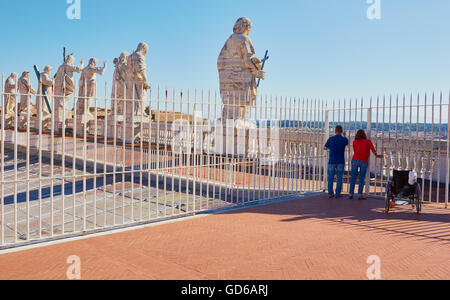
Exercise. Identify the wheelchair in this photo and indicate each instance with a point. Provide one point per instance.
(399, 184)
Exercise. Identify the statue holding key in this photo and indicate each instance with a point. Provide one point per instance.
(238, 71)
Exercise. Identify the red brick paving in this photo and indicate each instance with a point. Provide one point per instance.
(313, 238)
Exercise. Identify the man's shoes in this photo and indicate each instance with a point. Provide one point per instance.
(350, 197)
(362, 198)
(339, 197)
(331, 196)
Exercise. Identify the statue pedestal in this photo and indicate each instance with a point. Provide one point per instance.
(125, 129)
(237, 140)
(46, 123)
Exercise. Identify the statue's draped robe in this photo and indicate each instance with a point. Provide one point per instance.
(87, 89)
(237, 80)
(10, 98)
(26, 92)
(41, 106)
(64, 88)
(135, 83)
(118, 88)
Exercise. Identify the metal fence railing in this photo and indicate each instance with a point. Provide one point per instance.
(70, 174)
(411, 132)
(120, 162)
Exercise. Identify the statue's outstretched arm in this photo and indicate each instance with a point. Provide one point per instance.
(101, 71)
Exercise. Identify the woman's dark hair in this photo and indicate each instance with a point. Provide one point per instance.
(361, 135)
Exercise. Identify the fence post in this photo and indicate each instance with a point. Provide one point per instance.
(326, 137)
(369, 135)
(447, 175)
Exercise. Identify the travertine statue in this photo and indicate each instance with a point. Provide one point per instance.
(137, 82)
(26, 92)
(88, 87)
(64, 86)
(10, 99)
(41, 107)
(119, 82)
(238, 70)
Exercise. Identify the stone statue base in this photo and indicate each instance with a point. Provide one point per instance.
(45, 124)
(128, 131)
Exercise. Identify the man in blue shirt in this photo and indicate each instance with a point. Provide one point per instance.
(336, 165)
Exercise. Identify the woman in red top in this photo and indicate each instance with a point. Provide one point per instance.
(360, 163)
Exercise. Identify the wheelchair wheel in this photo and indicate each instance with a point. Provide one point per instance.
(388, 198)
(418, 199)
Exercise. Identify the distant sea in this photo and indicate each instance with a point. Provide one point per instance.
(354, 126)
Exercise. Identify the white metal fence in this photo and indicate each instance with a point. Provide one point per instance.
(75, 176)
(177, 157)
(410, 131)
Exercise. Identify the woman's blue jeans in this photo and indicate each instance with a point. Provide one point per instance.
(358, 168)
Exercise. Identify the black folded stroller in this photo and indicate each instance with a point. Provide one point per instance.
(399, 189)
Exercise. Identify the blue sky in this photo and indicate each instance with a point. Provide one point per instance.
(319, 48)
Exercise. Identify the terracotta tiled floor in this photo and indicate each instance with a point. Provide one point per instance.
(313, 238)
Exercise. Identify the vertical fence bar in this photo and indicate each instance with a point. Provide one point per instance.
(416, 153)
(85, 156)
(95, 148)
(279, 165)
(447, 177)
(115, 146)
(27, 196)
(181, 153)
(291, 145)
(173, 167)
(431, 160)
(11, 98)
(411, 152)
(123, 137)
(157, 134)
(327, 136)
(309, 104)
(296, 141)
(134, 102)
(63, 164)
(272, 161)
(150, 157)
(438, 187)
(165, 152)
(105, 153)
(141, 152)
(210, 158)
(423, 173)
(369, 134)
(402, 135)
(2, 142)
(52, 164)
(376, 145)
(193, 146)
(397, 154)
(313, 140)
